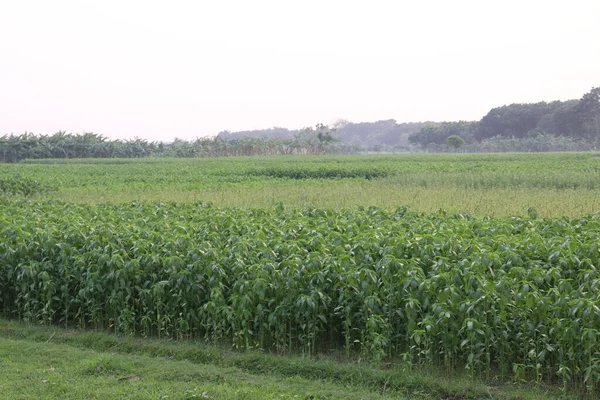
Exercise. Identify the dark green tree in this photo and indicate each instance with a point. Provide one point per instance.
(437, 134)
(588, 110)
(455, 141)
(514, 120)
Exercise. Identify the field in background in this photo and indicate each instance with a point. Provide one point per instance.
(556, 184)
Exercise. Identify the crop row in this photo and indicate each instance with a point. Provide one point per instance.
(552, 171)
(514, 296)
(17, 185)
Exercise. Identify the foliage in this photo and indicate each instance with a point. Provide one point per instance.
(514, 120)
(17, 185)
(322, 172)
(365, 135)
(455, 141)
(439, 133)
(588, 110)
(507, 295)
(578, 120)
(322, 139)
(315, 141)
(539, 142)
(15, 148)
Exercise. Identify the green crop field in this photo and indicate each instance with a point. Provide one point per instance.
(560, 184)
(480, 263)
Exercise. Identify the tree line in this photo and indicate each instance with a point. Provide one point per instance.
(384, 134)
(557, 125)
(578, 120)
(14, 148)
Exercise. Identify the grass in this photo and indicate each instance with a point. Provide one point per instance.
(51, 363)
(500, 185)
(497, 202)
(61, 372)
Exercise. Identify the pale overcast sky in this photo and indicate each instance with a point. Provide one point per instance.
(165, 69)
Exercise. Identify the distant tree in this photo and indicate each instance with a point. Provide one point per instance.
(325, 134)
(563, 120)
(588, 110)
(437, 134)
(455, 141)
(514, 120)
(365, 134)
(340, 123)
(314, 140)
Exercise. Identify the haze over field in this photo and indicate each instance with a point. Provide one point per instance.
(185, 69)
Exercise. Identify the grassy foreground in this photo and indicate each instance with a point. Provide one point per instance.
(51, 363)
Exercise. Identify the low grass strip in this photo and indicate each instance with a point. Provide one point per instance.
(53, 363)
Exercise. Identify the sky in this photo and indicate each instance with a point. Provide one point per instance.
(164, 69)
